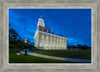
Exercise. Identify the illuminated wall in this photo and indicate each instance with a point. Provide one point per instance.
(44, 39)
(48, 41)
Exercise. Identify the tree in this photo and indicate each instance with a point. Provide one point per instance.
(13, 34)
(79, 46)
(52, 32)
(73, 47)
(85, 47)
(14, 39)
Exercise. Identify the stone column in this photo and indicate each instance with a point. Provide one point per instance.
(57, 43)
(52, 42)
(61, 43)
(48, 41)
(38, 37)
(44, 41)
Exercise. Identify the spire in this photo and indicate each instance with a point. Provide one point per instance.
(41, 22)
(40, 16)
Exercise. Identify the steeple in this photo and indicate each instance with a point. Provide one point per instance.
(40, 22)
(40, 16)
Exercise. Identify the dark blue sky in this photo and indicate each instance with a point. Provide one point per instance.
(75, 24)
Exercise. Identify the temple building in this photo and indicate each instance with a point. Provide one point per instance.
(46, 40)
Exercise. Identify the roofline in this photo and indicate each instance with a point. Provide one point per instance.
(53, 34)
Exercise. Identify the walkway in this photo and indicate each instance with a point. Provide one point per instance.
(59, 58)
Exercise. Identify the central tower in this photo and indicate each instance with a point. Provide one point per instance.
(45, 40)
(40, 22)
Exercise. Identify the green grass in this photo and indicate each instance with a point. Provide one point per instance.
(13, 58)
(81, 54)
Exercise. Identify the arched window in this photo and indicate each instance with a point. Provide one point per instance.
(54, 39)
(47, 38)
(63, 41)
(51, 38)
(47, 45)
(57, 40)
(60, 40)
(42, 37)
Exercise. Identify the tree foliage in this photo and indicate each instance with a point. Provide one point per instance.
(15, 41)
(79, 47)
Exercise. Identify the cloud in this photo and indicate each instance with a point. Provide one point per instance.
(75, 24)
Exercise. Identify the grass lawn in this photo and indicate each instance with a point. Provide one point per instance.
(13, 58)
(81, 54)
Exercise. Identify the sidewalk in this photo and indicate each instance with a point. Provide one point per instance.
(46, 56)
(60, 58)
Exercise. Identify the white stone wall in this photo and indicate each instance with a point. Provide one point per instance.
(50, 41)
(44, 40)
